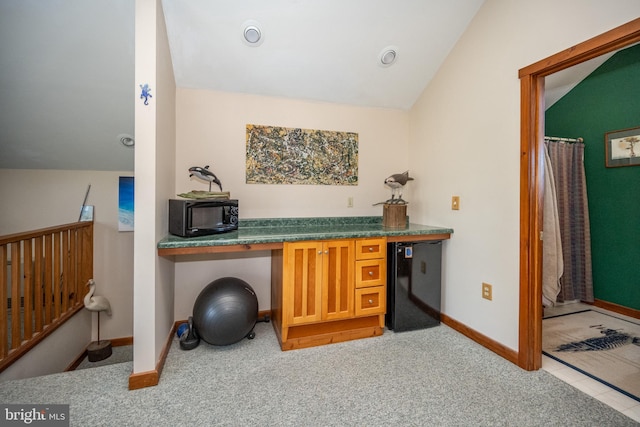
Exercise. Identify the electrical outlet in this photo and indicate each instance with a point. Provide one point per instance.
(455, 203)
(487, 292)
(350, 202)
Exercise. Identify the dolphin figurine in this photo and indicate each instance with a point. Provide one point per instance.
(205, 174)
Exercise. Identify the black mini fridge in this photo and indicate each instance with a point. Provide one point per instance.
(413, 285)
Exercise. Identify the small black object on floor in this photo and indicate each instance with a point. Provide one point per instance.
(189, 338)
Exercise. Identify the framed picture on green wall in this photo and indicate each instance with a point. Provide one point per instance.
(622, 148)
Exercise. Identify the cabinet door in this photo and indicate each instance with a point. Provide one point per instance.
(302, 281)
(338, 279)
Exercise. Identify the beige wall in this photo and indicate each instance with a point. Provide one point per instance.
(465, 129)
(52, 197)
(154, 166)
(211, 129)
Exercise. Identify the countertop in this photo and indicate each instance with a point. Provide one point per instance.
(265, 234)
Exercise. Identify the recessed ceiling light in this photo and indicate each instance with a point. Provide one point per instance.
(388, 56)
(251, 33)
(126, 140)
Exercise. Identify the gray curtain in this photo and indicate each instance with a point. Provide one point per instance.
(567, 164)
(552, 260)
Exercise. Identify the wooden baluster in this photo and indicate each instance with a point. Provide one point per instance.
(15, 295)
(66, 267)
(37, 283)
(48, 271)
(87, 257)
(73, 268)
(4, 318)
(27, 290)
(56, 274)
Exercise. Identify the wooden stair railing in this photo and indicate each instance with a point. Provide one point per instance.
(43, 274)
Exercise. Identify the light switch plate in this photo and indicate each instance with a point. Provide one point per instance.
(455, 203)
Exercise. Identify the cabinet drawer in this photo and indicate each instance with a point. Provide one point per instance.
(371, 248)
(370, 301)
(371, 272)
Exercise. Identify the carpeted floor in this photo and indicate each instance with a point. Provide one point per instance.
(119, 354)
(431, 377)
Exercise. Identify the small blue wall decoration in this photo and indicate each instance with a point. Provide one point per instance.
(145, 93)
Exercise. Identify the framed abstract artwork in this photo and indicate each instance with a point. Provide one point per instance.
(279, 155)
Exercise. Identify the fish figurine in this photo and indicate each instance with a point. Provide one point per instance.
(205, 174)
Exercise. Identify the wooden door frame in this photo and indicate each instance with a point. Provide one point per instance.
(532, 178)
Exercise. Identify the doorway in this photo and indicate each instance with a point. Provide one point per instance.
(532, 178)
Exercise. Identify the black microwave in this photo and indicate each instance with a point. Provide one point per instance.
(202, 217)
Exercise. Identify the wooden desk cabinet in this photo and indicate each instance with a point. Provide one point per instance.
(328, 291)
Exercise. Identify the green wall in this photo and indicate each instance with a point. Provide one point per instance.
(608, 100)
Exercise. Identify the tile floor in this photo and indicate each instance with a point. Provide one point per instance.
(611, 397)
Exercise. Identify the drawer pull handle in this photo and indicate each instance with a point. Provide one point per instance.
(370, 248)
(319, 252)
(370, 273)
(326, 252)
(370, 301)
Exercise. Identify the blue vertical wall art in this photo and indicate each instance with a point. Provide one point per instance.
(125, 204)
(145, 93)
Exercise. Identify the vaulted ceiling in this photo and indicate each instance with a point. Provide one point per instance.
(326, 50)
(67, 66)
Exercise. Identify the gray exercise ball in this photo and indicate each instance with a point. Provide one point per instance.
(226, 311)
